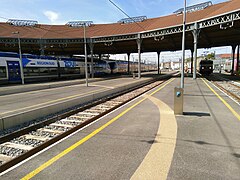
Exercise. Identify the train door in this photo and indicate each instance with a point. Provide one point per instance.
(14, 74)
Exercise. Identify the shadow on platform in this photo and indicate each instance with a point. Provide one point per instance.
(236, 155)
(198, 114)
(150, 141)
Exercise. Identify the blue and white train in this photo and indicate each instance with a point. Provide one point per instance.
(37, 68)
(45, 68)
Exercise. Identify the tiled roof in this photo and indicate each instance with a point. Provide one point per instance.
(101, 30)
(226, 56)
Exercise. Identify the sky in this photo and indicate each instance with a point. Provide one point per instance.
(98, 11)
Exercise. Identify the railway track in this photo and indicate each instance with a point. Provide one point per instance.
(17, 146)
(231, 88)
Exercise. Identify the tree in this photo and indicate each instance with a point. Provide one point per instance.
(210, 56)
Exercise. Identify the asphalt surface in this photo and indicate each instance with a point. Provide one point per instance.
(114, 153)
(207, 145)
(19, 102)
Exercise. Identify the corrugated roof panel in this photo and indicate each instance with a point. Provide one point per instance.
(101, 30)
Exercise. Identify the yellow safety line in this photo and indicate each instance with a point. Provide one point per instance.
(69, 149)
(224, 102)
(53, 101)
(157, 162)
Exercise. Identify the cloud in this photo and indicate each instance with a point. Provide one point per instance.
(51, 15)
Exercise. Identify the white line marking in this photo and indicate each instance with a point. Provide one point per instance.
(224, 92)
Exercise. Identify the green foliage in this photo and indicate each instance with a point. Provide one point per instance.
(188, 60)
(210, 56)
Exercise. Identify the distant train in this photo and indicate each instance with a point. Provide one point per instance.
(206, 67)
(45, 68)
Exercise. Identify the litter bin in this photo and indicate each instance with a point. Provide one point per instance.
(178, 101)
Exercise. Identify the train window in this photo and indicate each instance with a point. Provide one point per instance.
(71, 70)
(3, 73)
(31, 71)
(52, 70)
(43, 70)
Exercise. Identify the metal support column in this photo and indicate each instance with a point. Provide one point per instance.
(20, 56)
(41, 48)
(85, 49)
(91, 45)
(195, 33)
(233, 57)
(158, 62)
(183, 45)
(128, 54)
(139, 42)
(191, 61)
(238, 49)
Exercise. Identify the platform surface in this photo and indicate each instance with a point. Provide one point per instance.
(144, 140)
(26, 101)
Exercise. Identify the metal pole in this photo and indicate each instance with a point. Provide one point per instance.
(41, 47)
(133, 66)
(191, 61)
(238, 49)
(183, 45)
(85, 47)
(233, 57)
(158, 63)
(91, 49)
(139, 55)
(128, 54)
(195, 58)
(20, 56)
(195, 37)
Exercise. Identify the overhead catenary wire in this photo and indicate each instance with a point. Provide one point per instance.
(3, 18)
(126, 14)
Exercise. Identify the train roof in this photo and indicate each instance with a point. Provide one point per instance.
(32, 56)
(206, 61)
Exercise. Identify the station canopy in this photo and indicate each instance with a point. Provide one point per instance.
(218, 25)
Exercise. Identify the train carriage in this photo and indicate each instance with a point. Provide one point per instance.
(44, 68)
(37, 68)
(206, 67)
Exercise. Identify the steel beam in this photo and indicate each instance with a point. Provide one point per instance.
(85, 50)
(41, 42)
(233, 57)
(158, 62)
(20, 56)
(238, 49)
(195, 33)
(192, 61)
(128, 54)
(91, 45)
(183, 45)
(139, 42)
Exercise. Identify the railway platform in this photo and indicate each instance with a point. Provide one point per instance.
(13, 89)
(29, 102)
(145, 140)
